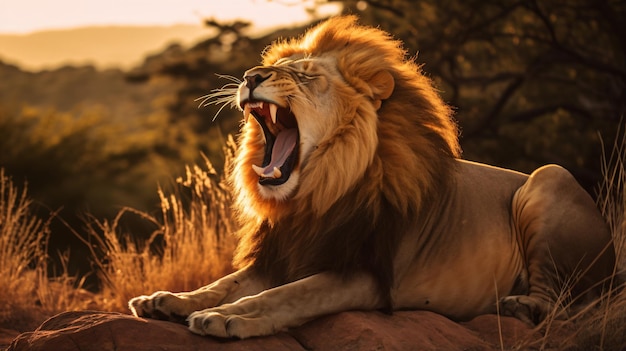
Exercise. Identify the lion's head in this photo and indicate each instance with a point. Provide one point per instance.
(327, 110)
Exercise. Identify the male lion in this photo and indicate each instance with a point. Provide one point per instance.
(351, 196)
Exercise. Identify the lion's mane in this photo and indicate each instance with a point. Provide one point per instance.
(363, 186)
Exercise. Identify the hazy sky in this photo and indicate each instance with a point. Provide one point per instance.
(24, 16)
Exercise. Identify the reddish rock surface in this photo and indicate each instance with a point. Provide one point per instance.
(414, 330)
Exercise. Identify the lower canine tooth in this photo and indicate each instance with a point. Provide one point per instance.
(277, 173)
(273, 109)
(260, 171)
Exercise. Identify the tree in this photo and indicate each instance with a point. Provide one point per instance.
(532, 82)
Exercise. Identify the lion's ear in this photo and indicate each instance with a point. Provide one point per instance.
(382, 84)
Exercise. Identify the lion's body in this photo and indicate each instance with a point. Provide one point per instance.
(351, 196)
(489, 229)
(459, 229)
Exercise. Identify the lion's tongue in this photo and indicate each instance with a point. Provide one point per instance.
(283, 146)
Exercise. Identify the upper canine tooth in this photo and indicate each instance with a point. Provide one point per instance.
(246, 112)
(273, 109)
(258, 170)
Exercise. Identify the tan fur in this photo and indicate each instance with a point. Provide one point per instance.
(378, 211)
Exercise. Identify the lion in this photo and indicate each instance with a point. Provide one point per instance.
(352, 195)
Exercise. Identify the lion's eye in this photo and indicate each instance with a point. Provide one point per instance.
(304, 76)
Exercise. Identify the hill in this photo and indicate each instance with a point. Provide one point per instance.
(103, 47)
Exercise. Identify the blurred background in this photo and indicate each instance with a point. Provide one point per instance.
(98, 99)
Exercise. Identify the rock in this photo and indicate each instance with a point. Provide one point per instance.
(376, 331)
(104, 331)
(404, 330)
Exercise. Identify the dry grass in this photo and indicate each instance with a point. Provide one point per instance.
(28, 295)
(191, 247)
(605, 327)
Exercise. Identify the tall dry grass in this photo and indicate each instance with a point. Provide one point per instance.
(28, 295)
(605, 327)
(191, 247)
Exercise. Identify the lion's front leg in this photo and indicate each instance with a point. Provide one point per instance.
(177, 307)
(287, 306)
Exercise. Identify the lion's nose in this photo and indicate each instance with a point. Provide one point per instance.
(253, 81)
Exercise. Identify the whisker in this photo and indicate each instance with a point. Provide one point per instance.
(224, 96)
(217, 93)
(220, 110)
(221, 97)
(229, 77)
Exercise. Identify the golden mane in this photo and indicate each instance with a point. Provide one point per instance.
(377, 170)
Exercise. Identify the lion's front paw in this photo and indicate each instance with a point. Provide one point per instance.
(220, 324)
(162, 305)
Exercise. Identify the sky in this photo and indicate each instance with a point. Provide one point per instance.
(27, 16)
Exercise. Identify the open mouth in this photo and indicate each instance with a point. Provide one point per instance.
(281, 140)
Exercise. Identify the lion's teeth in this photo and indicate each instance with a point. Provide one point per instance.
(258, 170)
(246, 112)
(273, 109)
(277, 173)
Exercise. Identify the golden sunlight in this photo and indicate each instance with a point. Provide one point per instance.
(25, 16)
(42, 34)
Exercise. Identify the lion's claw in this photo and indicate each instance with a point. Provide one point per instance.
(161, 305)
(223, 325)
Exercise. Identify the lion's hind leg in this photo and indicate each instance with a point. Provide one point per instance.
(565, 242)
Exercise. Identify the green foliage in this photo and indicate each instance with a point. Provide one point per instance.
(69, 160)
(88, 140)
